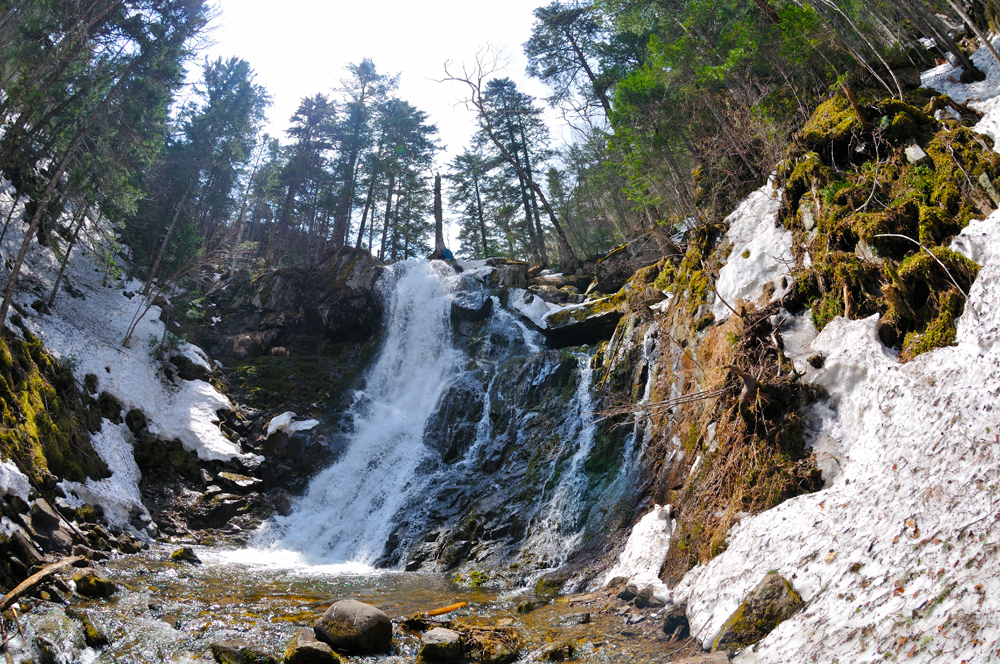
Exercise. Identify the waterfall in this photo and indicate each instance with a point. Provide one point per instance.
(559, 528)
(347, 512)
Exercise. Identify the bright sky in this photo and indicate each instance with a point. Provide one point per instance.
(300, 47)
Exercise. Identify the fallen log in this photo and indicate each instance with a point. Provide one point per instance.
(35, 580)
(446, 609)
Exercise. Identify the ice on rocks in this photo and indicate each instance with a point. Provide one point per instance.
(761, 252)
(284, 422)
(13, 482)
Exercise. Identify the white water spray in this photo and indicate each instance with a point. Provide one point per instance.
(347, 513)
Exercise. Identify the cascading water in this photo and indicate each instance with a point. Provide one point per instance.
(558, 530)
(346, 514)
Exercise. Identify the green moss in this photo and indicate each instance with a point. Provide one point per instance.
(833, 121)
(45, 428)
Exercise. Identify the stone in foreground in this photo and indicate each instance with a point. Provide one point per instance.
(185, 554)
(441, 645)
(238, 652)
(353, 627)
(305, 648)
(92, 582)
(771, 602)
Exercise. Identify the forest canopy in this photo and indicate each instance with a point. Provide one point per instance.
(678, 109)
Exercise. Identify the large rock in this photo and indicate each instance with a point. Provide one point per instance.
(353, 627)
(441, 645)
(472, 306)
(336, 299)
(675, 622)
(305, 648)
(587, 323)
(614, 269)
(92, 582)
(771, 602)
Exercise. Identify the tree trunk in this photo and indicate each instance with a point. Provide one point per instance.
(69, 250)
(364, 215)
(975, 28)
(166, 240)
(36, 219)
(479, 212)
(385, 217)
(438, 253)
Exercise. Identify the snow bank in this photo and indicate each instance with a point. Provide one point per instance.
(761, 252)
(284, 423)
(119, 494)
(88, 330)
(646, 550)
(13, 482)
(983, 96)
(897, 557)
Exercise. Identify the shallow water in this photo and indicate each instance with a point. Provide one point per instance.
(171, 612)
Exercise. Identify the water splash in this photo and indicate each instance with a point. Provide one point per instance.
(347, 513)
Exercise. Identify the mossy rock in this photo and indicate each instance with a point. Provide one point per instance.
(91, 582)
(834, 122)
(185, 554)
(773, 601)
(238, 652)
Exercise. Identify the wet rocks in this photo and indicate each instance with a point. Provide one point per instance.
(675, 622)
(771, 602)
(91, 582)
(305, 648)
(472, 306)
(451, 429)
(644, 599)
(185, 554)
(562, 652)
(239, 652)
(356, 628)
(575, 619)
(441, 645)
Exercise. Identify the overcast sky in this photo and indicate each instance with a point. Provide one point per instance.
(300, 47)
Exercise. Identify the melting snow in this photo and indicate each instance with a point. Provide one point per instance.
(530, 306)
(119, 494)
(897, 557)
(645, 552)
(89, 330)
(761, 252)
(284, 423)
(13, 482)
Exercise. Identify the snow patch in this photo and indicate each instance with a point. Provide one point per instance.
(284, 423)
(89, 330)
(761, 252)
(119, 494)
(530, 306)
(645, 552)
(13, 482)
(979, 241)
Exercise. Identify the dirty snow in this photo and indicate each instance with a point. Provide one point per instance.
(897, 557)
(119, 494)
(13, 482)
(645, 551)
(284, 423)
(761, 252)
(89, 330)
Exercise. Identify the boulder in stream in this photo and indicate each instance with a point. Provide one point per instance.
(305, 648)
(239, 652)
(441, 645)
(92, 582)
(356, 628)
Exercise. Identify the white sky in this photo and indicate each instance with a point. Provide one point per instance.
(300, 47)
